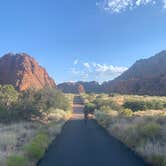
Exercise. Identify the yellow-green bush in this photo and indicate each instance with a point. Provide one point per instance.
(17, 161)
(149, 130)
(126, 112)
(158, 160)
(36, 149)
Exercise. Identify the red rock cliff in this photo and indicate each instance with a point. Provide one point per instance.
(23, 72)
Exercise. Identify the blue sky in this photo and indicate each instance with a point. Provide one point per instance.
(83, 39)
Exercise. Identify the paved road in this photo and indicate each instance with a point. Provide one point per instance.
(82, 144)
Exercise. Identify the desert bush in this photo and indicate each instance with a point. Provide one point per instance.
(8, 100)
(34, 103)
(106, 119)
(8, 96)
(105, 108)
(158, 160)
(57, 114)
(3, 113)
(136, 105)
(107, 103)
(126, 112)
(17, 161)
(149, 130)
(36, 149)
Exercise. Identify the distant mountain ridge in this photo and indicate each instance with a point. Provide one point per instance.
(145, 77)
(71, 87)
(23, 72)
(80, 87)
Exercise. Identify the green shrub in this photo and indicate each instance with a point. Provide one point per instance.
(126, 112)
(164, 162)
(105, 108)
(8, 96)
(149, 130)
(8, 100)
(107, 103)
(158, 160)
(3, 112)
(103, 118)
(17, 161)
(131, 138)
(136, 105)
(36, 149)
(33, 103)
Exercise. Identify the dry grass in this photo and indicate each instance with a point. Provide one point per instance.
(14, 137)
(144, 132)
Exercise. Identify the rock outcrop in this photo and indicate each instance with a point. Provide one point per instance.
(23, 72)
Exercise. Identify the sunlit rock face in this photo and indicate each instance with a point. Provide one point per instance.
(23, 72)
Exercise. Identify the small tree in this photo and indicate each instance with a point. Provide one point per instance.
(8, 96)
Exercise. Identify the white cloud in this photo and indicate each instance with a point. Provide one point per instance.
(75, 61)
(94, 71)
(164, 4)
(109, 68)
(117, 6)
(87, 65)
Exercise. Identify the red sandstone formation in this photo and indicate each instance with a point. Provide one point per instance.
(23, 72)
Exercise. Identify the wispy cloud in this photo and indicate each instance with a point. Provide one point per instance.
(117, 6)
(164, 4)
(75, 62)
(94, 71)
(86, 64)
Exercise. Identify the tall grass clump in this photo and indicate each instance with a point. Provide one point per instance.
(17, 160)
(36, 149)
(139, 122)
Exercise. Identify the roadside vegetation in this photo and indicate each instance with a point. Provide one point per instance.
(137, 121)
(29, 122)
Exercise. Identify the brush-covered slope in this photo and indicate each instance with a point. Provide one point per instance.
(145, 77)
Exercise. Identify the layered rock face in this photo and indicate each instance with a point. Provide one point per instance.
(145, 77)
(23, 72)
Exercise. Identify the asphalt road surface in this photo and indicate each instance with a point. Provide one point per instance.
(87, 144)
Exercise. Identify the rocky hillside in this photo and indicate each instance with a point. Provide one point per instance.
(23, 72)
(145, 77)
(71, 87)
